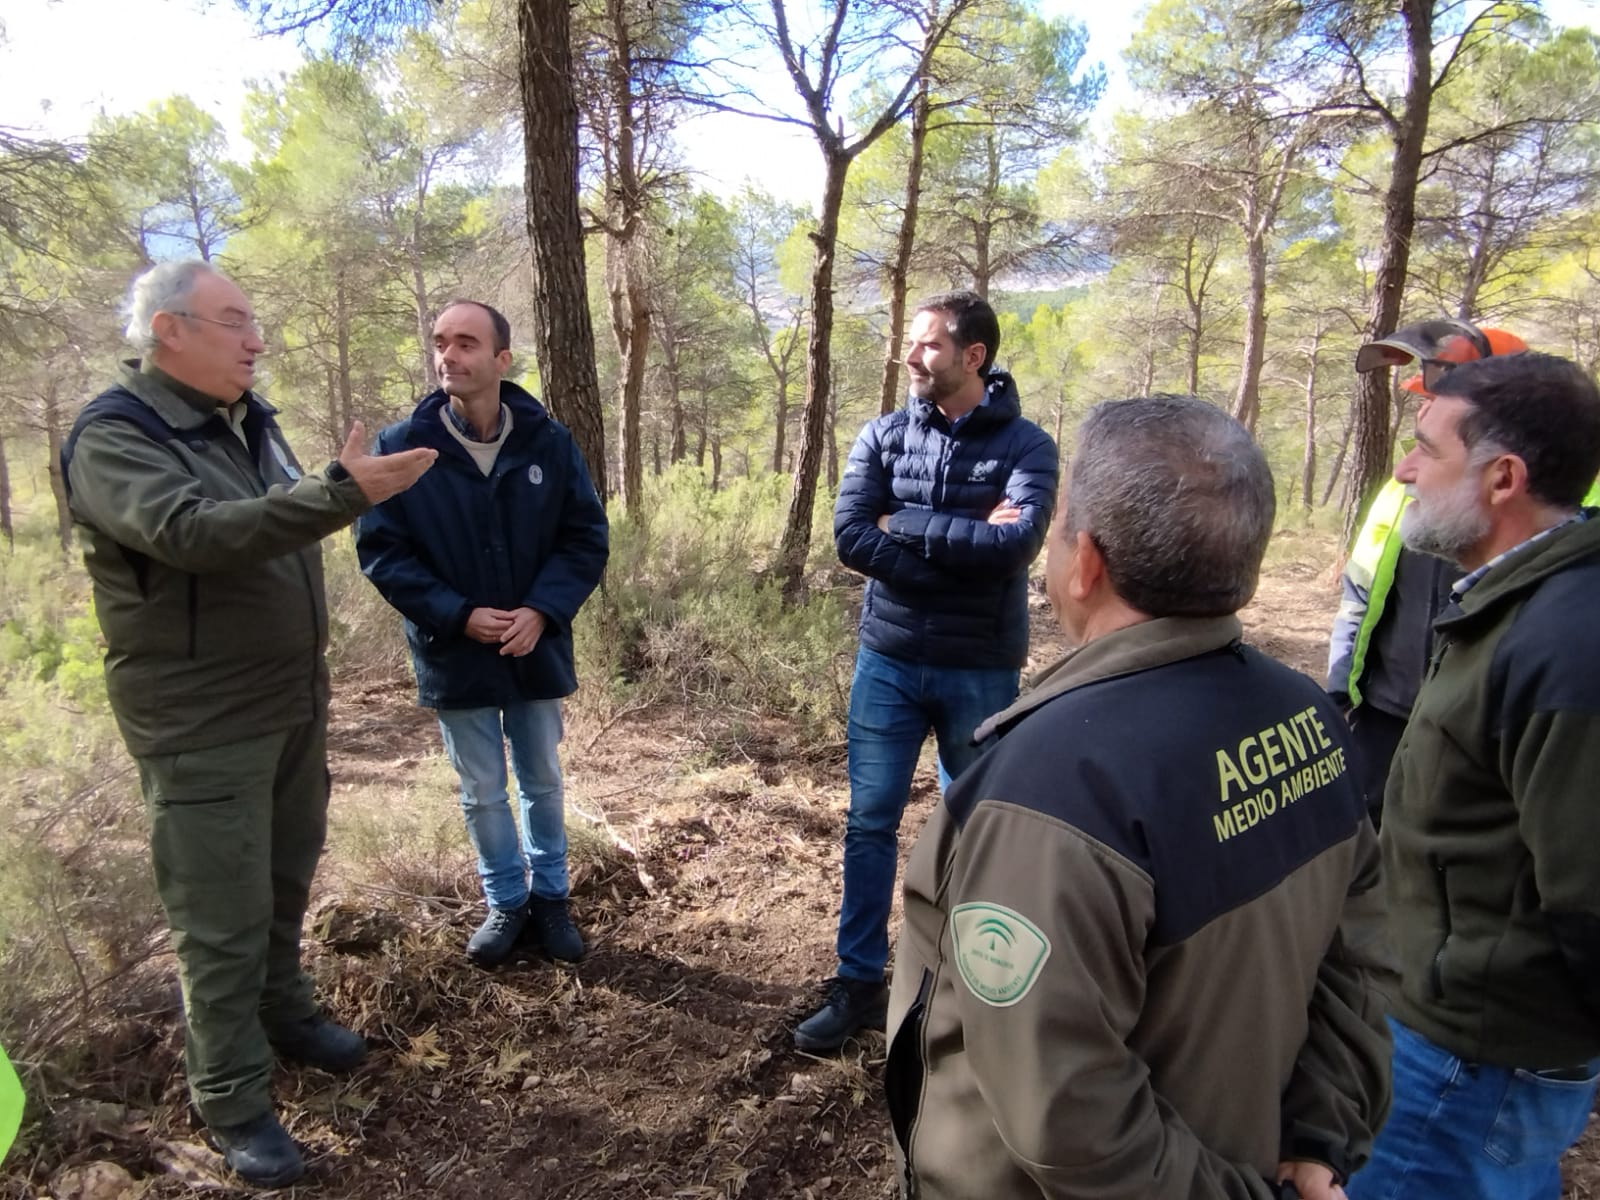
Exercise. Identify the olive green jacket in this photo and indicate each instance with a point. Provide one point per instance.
(1492, 819)
(206, 570)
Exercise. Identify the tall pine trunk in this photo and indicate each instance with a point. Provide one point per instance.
(563, 331)
(1308, 462)
(796, 541)
(630, 307)
(900, 269)
(1370, 435)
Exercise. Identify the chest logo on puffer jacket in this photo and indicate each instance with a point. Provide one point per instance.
(981, 471)
(535, 474)
(998, 951)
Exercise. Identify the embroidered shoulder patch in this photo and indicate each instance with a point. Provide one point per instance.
(998, 951)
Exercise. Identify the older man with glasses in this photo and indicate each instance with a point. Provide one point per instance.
(200, 534)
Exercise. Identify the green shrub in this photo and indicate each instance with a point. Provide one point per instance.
(77, 901)
(688, 611)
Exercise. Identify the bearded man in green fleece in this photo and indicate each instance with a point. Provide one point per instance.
(200, 533)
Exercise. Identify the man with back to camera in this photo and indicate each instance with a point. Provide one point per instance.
(1141, 932)
(943, 506)
(1491, 820)
(200, 534)
(489, 565)
(1384, 629)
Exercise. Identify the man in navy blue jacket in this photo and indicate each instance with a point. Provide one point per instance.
(943, 505)
(489, 566)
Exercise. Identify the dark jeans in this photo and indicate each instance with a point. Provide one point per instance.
(893, 704)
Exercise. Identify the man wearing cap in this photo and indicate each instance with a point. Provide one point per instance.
(1383, 631)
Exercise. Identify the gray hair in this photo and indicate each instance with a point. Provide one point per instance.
(1179, 500)
(165, 287)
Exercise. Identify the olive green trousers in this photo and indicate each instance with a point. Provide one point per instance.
(235, 834)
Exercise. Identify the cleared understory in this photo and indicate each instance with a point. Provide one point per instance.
(706, 858)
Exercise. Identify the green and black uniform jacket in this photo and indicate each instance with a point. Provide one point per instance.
(1140, 935)
(203, 552)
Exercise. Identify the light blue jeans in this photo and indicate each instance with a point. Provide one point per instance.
(475, 740)
(893, 704)
(1467, 1131)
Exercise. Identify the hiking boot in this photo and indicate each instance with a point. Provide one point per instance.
(319, 1042)
(848, 1006)
(497, 937)
(552, 923)
(259, 1151)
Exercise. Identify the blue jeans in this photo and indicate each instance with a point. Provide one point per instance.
(1468, 1131)
(475, 741)
(893, 704)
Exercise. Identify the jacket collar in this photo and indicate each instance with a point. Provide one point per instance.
(1001, 404)
(427, 419)
(1152, 643)
(173, 408)
(1525, 569)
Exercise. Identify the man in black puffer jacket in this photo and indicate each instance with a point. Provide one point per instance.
(943, 506)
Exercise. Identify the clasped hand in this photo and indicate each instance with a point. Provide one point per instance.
(517, 631)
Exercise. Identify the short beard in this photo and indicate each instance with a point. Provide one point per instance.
(936, 387)
(1453, 525)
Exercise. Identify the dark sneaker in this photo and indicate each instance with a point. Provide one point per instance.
(848, 1006)
(552, 923)
(319, 1042)
(259, 1151)
(497, 937)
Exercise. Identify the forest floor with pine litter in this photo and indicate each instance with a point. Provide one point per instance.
(705, 865)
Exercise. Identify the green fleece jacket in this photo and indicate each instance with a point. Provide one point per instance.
(202, 548)
(1490, 836)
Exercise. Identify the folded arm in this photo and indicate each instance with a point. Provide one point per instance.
(976, 544)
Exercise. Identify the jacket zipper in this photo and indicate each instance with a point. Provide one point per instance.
(1436, 968)
(258, 479)
(915, 1048)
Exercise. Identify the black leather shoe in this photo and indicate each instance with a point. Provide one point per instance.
(848, 1006)
(553, 924)
(319, 1042)
(259, 1151)
(497, 937)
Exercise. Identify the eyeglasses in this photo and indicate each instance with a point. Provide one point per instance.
(247, 325)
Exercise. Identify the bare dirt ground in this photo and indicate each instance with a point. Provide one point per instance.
(660, 1067)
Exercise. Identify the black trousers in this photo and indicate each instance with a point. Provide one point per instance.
(1376, 735)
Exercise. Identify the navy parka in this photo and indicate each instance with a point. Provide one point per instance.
(945, 587)
(530, 534)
